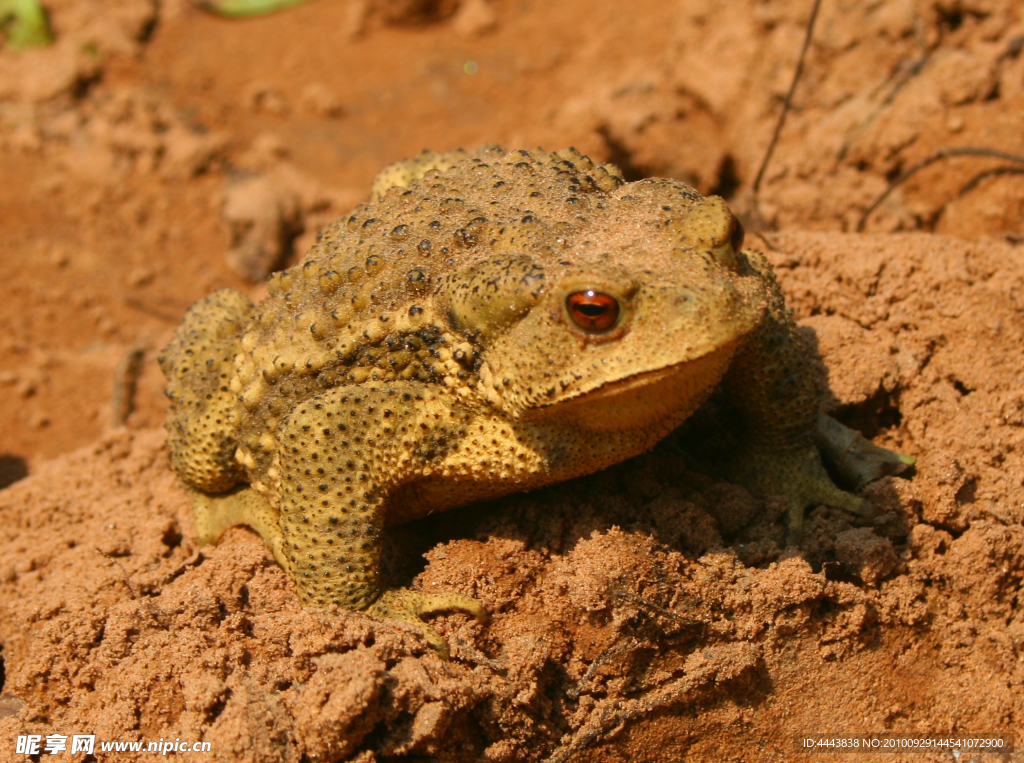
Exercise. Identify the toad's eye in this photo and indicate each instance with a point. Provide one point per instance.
(592, 311)
(736, 235)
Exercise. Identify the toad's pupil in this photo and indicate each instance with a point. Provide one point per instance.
(592, 311)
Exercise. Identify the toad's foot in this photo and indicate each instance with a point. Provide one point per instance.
(799, 476)
(857, 460)
(410, 607)
(215, 513)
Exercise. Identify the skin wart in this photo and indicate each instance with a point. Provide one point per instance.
(489, 322)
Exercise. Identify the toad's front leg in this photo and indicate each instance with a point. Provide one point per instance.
(341, 455)
(772, 383)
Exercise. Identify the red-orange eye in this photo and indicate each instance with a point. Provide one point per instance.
(591, 310)
(736, 234)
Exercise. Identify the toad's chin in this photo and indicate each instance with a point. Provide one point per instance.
(666, 396)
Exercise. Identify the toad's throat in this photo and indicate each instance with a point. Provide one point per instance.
(663, 398)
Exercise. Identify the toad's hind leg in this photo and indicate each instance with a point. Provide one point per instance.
(242, 506)
(199, 363)
(341, 455)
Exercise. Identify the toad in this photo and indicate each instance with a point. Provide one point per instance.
(489, 322)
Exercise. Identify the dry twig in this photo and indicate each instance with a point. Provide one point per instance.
(789, 99)
(126, 380)
(942, 153)
(148, 309)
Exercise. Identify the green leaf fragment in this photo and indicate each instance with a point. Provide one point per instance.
(24, 24)
(243, 8)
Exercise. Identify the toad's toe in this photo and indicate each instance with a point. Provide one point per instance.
(411, 606)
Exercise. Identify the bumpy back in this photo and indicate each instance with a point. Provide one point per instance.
(364, 303)
(199, 364)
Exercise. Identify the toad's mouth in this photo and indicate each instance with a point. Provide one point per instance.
(666, 395)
